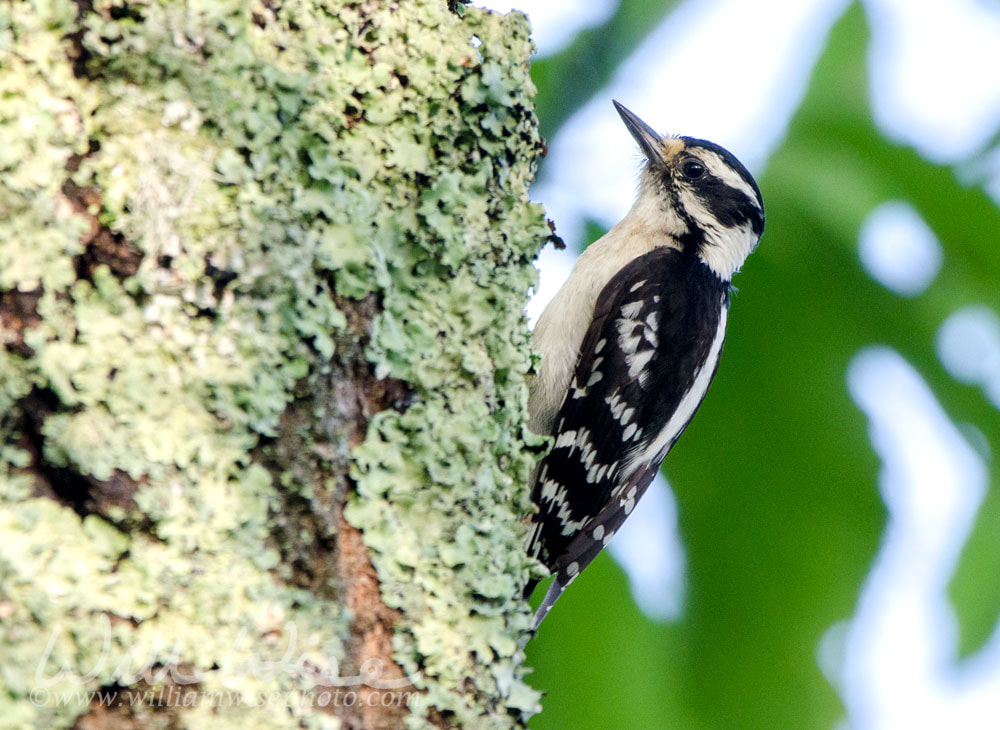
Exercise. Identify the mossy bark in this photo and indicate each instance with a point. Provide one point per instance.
(263, 458)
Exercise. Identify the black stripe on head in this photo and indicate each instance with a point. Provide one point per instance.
(729, 158)
(728, 205)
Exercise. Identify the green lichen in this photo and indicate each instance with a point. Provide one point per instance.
(315, 154)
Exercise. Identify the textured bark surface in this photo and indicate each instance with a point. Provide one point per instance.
(263, 460)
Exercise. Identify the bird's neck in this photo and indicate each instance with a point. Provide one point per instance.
(724, 250)
(653, 220)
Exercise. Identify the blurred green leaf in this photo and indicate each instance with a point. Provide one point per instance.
(605, 668)
(836, 164)
(568, 79)
(975, 590)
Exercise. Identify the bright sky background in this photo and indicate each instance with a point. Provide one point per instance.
(894, 661)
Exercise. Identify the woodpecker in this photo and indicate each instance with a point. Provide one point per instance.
(631, 342)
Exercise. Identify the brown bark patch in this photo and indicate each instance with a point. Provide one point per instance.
(84, 493)
(369, 647)
(320, 550)
(156, 701)
(76, 51)
(18, 312)
(102, 246)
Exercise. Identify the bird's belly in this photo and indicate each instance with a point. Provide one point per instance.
(558, 335)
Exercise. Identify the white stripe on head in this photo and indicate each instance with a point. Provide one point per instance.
(724, 249)
(718, 168)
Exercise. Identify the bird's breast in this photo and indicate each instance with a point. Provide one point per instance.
(557, 337)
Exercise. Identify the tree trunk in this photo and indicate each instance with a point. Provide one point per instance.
(263, 458)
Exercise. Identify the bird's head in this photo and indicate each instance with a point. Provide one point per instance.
(698, 193)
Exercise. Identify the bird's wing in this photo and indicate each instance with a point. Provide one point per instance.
(644, 364)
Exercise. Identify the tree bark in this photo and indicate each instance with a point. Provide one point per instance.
(263, 456)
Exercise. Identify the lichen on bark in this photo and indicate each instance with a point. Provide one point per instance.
(262, 276)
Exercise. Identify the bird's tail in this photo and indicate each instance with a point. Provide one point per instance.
(555, 590)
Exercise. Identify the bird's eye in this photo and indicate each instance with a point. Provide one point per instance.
(692, 169)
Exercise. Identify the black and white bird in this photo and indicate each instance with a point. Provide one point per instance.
(631, 342)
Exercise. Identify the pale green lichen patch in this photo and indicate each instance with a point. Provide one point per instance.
(461, 332)
(262, 166)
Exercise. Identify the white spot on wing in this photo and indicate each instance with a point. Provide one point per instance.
(616, 404)
(534, 544)
(566, 438)
(632, 309)
(627, 341)
(637, 362)
(552, 492)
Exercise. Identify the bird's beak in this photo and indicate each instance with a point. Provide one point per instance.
(646, 136)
